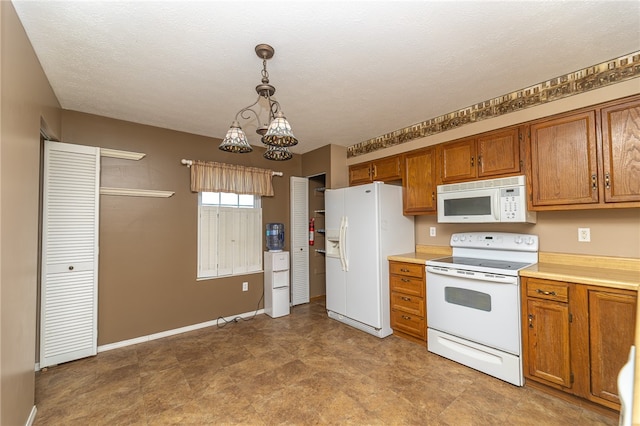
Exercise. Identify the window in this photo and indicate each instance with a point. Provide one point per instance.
(229, 234)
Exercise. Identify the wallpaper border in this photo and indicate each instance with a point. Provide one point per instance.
(594, 77)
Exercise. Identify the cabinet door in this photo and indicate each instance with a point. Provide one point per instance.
(359, 174)
(458, 160)
(611, 327)
(386, 169)
(548, 342)
(499, 153)
(621, 152)
(419, 182)
(563, 161)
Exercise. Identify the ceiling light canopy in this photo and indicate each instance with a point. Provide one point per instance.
(276, 132)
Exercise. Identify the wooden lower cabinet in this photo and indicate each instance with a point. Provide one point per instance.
(577, 337)
(408, 300)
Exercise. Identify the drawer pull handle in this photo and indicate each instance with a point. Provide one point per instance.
(404, 270)
(406, 299)
(406, 317)
(405, 280)
(530, 320)
(546, 293)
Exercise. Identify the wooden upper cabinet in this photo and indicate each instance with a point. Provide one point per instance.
(499, 153)
(563, 160)
(384, 169)
(621, 151)
(359, 174)
(612, 316)
(489, 155)
(419, 182)
(458, 160)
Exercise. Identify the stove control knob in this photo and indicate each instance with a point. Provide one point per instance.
(518, 240)
(530, 241)
(455, 238)
(462, 237)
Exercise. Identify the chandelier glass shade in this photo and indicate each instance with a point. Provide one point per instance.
(235, 140)
(277, 135)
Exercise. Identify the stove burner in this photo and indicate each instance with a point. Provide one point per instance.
(486, 263)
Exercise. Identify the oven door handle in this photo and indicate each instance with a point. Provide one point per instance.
(471, 275)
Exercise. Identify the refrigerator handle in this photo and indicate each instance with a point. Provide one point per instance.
(343, 243)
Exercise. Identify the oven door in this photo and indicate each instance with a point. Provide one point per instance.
(483, 308)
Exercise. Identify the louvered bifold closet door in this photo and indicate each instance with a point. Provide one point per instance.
(68, 310)
(299, 240)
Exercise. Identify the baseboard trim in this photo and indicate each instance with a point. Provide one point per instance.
(155, 336)
(32, 416)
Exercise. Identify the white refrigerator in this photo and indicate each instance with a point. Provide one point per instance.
(364, 224)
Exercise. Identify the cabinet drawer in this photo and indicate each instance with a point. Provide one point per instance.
(410, 324)
(407, 269)
(550, 290)
(409, 285)
(413, 305)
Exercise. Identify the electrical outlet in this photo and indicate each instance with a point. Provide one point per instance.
(584, 235)
(432, 231)
(245, 286)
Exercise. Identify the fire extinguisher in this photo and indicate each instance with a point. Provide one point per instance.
(311, 229)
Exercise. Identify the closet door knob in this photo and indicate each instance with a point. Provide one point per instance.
(71, 268)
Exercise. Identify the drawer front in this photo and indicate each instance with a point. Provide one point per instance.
(407, 269)
(410, 324)
(413, 305)
(409, 285)
(550, 290)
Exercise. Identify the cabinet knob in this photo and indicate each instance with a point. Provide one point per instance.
(546, 293)
(404, 270)
(406, 299)
(530, 320)
(406, 317)
(607, 183)
(594, 182)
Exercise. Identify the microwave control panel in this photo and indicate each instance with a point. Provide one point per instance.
(512, 204)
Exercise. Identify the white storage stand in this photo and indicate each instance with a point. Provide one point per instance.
(276, 283)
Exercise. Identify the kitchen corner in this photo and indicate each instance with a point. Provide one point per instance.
(596, 271)
(599, 295)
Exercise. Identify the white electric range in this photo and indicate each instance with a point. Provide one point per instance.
(473, 301)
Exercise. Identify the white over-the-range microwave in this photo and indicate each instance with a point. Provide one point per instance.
(485, 201)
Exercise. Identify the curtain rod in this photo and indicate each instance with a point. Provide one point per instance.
(189, 163)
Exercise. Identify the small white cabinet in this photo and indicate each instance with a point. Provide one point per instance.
(276, 283)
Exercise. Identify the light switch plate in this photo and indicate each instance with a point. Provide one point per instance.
(432, 231)
(245, 286)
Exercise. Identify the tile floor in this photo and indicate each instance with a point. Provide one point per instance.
(303, 369)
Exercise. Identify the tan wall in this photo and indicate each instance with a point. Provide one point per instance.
(147, 273)
(614, 232)
(27, 99)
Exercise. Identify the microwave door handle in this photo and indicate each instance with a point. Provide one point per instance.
(496, 205)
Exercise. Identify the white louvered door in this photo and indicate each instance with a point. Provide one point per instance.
(69, 284)
(299, 240)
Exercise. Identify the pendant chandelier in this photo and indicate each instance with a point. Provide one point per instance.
(276, 132)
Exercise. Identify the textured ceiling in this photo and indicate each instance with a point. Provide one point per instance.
(344, 72)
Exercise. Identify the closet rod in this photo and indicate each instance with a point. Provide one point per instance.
(189, 163)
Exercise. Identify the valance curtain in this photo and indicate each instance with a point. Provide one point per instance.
(220, 177)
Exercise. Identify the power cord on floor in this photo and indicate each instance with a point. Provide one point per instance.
(238, 318)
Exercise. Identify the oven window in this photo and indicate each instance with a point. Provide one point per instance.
(467, 206)
(469, 298)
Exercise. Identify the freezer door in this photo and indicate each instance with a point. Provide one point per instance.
(335, 276)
